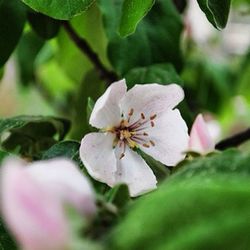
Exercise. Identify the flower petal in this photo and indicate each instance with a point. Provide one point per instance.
(200, 138)
(31, 213)
(66, 182)
(169, 138)
(150, 99)
(106, 111)
(97, 155)
(133, 171)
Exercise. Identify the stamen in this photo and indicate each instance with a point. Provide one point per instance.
(152, 143)
(152, 117)
(152, 124)
(131, 112)
(122, 155)
(142, 116)
(145, 134)
(146, 145)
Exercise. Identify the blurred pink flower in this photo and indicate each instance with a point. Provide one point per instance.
(143, 117)
(200, 140)
(33, 199)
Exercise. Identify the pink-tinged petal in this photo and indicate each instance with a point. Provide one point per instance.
(32, 214)
(106, 111)
(66, 182)
(168, 138)
(134, 171)
(97, 155)
(200, 140)
(150, 99)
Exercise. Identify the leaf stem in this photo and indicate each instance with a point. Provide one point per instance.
(234, 140)
(84, 46)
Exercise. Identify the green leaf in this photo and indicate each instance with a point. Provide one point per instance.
(119, 195)
(197, 209)
(6, 241)
(132, 13)
(216, 11)
(12, 19)
(3, 154)
(68, 149)
(29, 135)
(160, 73)
(58, 9)
(1, 73)
(27, 51)
(156, 40)
(44, 26)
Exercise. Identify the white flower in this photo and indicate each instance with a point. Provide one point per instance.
(200, 140)
(142, 117)
(33, 199)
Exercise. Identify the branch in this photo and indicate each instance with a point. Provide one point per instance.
(83, 45)
(234, 141)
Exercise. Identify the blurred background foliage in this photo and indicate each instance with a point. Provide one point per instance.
(47, 74)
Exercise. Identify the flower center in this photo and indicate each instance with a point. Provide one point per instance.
(133, 134)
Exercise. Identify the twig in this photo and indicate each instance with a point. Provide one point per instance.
(234, 141)
(83, 45)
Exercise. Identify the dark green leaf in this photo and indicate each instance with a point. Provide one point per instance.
(44, 26)
(119, 195)
(58, 9)
(159, 73)
(194, 209)
(6, 241)
(156, 40)
(216, 11)
(29, 135)
(12, 19)
(68, 149)
(90, 106)
(132, 13)
(3, 154)
(1, 73)
(27, 51)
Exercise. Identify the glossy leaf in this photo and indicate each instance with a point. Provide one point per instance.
(195, 210)
(156, 40)
(59, 10)
(216, 11)
(12, 19)
(132, 13)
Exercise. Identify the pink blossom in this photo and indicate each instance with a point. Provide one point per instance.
(33, 199)
(200, 139)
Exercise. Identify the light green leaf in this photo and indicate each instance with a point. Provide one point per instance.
(58, 9)
(12, 19)
(216, 11)
(132, 13)
(196, 208)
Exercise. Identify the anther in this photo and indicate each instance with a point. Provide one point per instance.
(145, 145)
(152, 143)
(144, 133)
(152, 124)
(152, 117)
(142, 116)
(131, 112)
(122, 155)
